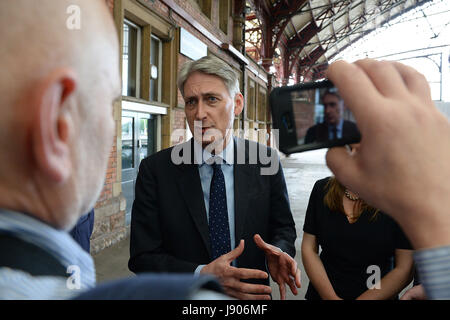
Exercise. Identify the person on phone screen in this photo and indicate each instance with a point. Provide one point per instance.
(334, 126)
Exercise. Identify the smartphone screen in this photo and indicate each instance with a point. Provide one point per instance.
(311, 116)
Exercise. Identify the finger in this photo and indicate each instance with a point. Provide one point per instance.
(298, 277)
(291, 283)
(244, 273)
(268, 248)
(344, 167)
(260, 242)
(293, 265)
(282, 287)
(244, 287)
(385, 77)
(357, 90)
(416, 82)
(294, 277)
(236, 252)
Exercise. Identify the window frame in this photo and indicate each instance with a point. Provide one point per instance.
(138, 57)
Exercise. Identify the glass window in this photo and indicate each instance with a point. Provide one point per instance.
(224, 14)
(262, 105)
(127, 142)
(130, 60)
(143, 137)
(155, 68)
(205, 6)
(251, 100)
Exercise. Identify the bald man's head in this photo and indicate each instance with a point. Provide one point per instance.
(37, 38)
(56, 90)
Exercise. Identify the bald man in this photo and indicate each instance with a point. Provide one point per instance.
(57, 87)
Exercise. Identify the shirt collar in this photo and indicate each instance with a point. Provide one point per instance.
(227, 154)
(56, 242)
(339, 125)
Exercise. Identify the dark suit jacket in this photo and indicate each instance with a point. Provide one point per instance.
(82, 231)
(319, 132)
(169, 228)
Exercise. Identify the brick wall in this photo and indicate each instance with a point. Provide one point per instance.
(109, 226)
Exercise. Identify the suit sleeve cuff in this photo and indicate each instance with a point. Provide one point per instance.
(198, 269)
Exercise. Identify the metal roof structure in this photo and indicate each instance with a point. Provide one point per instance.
(299, 37)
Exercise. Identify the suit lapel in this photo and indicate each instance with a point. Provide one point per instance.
(191, 190)
(242, 184)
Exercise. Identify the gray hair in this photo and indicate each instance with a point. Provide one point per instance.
(212, 66)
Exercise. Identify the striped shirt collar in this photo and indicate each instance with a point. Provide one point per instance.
(56, 242)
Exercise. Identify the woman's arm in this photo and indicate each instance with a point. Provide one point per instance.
(314, 268)
(395, 280)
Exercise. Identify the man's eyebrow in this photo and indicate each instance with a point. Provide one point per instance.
(205, 94)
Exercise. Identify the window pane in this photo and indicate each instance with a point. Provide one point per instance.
(262, 106)
(155, 76)
(224, 14)
(127, 143)
(251, 100)
(129, 60)
(143, 137)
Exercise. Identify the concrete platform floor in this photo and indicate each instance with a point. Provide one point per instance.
(301, 172)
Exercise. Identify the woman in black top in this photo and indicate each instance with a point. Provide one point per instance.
(359, 245)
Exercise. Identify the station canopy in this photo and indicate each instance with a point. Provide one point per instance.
(301, 36)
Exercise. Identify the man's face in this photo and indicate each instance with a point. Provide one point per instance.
(208, 102)
(333, 109)
(98, 127)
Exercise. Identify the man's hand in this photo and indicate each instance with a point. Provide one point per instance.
(415, 293)
(282, 267)
(230, 277)
(402, 164)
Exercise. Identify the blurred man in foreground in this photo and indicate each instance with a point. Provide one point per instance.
(57, 87)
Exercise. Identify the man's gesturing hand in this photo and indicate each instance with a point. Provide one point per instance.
(230, 277)
(282, 267)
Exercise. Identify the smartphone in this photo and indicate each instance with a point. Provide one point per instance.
(311, 116)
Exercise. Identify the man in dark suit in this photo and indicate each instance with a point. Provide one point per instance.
(205, 206)
(334, 126)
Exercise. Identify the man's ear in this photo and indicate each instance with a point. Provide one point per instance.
(238, 103)
(52, 126)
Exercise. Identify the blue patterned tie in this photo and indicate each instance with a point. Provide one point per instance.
(219, 229)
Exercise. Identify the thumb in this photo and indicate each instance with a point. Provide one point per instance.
(236, 252)
(343, 165)
(259, 242)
